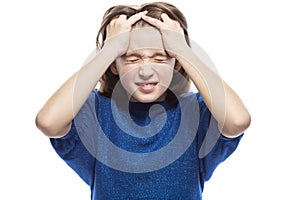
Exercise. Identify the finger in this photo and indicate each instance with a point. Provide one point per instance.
(172, 24)
(165, 17)
(122, 17)
(118, 19)
(134, 18)
(155, 22)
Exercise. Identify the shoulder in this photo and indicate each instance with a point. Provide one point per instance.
(96, 98)
(192, 99)
(191, 95)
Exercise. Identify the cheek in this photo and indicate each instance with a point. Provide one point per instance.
(127, 75)
(125, 71)
(165, 75)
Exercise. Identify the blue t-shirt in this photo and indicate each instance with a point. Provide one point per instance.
(131, 150)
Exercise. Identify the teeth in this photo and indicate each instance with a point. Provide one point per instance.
(143, 84)
(148, 85)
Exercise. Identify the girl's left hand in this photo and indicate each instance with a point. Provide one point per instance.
(172, 33)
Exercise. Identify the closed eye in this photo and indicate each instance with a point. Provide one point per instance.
(132, 60)
(160, 58)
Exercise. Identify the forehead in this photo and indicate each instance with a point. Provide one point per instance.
(145, 38)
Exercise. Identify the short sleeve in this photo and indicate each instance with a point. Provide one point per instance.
(72, 150)
(223, 148)
(214, 147)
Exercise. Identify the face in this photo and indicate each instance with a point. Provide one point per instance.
(146, 70)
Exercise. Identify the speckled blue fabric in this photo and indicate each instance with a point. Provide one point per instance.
(124, 153)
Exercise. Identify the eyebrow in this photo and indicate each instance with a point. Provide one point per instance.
(160, 53)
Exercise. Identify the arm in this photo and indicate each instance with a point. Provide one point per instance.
(224, 104)
(55, 117)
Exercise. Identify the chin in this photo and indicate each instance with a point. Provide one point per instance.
(148, 98)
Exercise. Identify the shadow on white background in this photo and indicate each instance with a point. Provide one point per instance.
(253, 44)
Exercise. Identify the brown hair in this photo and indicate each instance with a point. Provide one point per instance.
(181, 82)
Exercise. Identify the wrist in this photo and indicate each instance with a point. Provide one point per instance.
(112, 50)
(183, 52)
(118, 44)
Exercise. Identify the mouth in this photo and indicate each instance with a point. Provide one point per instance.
(147, 87)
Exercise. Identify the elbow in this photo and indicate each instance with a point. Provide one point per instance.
(47, 126)
(242, 123)
(44, 125)
(237, 125)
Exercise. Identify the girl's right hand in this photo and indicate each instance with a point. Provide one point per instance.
(118, 32)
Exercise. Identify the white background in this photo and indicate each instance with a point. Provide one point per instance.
(254, 45)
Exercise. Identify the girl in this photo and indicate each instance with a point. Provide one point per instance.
(142, 134)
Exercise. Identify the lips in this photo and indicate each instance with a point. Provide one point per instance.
(146, 87)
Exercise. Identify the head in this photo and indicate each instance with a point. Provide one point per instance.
(180, 83)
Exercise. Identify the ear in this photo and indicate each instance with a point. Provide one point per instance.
(113, 68)
(177, 66)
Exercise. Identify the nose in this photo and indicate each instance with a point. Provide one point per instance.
(146, 71)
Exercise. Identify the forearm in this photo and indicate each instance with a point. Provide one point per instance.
(224, 104)
(54, 119)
